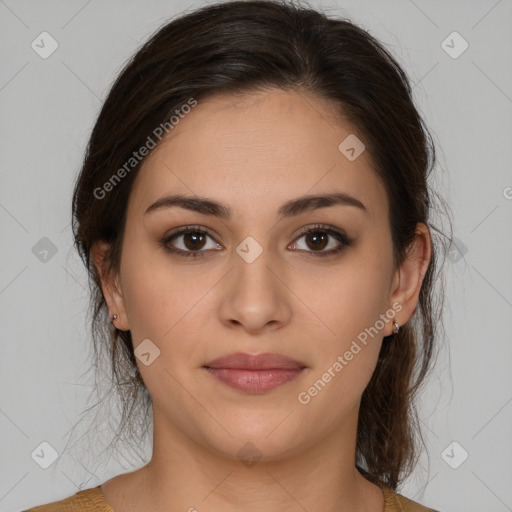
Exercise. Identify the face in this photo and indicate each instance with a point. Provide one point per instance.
(253, 281)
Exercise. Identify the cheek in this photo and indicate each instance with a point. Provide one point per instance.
(348, 300)
(345, 358)
(163, 304)
(148, 303)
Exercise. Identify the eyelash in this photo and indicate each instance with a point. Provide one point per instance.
(345, 240)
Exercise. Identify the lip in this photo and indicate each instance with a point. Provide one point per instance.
(265, 361)
(254, 373)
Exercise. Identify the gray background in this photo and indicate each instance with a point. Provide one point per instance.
(48, 108)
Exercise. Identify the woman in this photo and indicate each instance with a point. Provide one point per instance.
(253, 210)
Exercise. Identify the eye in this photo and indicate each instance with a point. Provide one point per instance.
(194, 239)
(317, 238)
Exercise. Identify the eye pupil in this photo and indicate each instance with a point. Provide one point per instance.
(196, 240)
(319, 240)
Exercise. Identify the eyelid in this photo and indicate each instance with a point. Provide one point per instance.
(189, 228)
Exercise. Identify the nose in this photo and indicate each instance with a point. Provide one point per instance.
(254, 296)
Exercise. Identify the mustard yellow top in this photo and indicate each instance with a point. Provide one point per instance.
(92, 500)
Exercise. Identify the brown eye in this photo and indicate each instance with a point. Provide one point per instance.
(317, 238)
(189, 241)
(194, 240)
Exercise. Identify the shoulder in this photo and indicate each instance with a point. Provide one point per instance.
(395, 502)
(89, 500)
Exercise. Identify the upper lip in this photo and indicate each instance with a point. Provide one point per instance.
(264, 361)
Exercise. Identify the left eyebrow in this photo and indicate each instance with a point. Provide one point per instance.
(207, 206)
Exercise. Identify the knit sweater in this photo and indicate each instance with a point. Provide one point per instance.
(92, 500)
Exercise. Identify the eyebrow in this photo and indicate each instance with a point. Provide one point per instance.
(207, 206)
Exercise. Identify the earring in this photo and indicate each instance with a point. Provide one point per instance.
(114, 318)
(397, 328)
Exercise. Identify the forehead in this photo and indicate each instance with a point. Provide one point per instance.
(258, 149)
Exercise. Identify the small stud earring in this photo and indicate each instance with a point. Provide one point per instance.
(397, 328)
(114, 318)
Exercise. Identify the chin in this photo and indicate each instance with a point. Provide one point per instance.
(256, 440)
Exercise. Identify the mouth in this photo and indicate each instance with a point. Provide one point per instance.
(255, 373)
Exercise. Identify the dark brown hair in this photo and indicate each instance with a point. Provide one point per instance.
(244, 46)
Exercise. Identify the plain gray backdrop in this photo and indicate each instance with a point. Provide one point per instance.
(48, 106)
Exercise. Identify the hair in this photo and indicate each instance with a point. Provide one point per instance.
(239, 47)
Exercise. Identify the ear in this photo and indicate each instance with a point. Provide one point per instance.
(111, 287)
(408, 278)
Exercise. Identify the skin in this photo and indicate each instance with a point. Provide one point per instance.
(254, 152)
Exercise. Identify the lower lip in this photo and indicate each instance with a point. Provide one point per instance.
(255, 381)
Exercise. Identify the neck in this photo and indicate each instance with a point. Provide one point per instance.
(184, 474)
